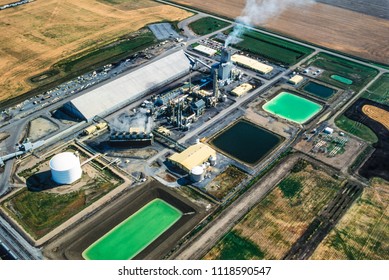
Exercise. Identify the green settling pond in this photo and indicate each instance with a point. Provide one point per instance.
(135, 233)
(319, 90)
(342, 79)
(246, 142)
(292, 107)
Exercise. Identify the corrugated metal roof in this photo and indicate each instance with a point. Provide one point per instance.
(118, 92)
(296, 79)
(252, 63)
(205, 50)
(193, 156)
(242, 89)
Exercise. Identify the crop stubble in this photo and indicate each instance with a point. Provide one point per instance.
(332, 27)
(37, 35)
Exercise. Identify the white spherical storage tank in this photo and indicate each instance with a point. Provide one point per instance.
(197, 174)
(65, 168)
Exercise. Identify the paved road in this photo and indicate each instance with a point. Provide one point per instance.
(223, 223)
(185, 25)
(18, 245)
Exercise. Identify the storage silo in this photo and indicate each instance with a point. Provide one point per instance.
(65, 168)
(212, 160)
(197, 174)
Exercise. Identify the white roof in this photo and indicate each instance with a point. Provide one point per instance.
(118, 92)
(64, 161)
(206, 50)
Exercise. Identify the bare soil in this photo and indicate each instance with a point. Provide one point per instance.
(332, 27)
(378, 164)
(37, 35)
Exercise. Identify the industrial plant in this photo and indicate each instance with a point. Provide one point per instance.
(190, 128)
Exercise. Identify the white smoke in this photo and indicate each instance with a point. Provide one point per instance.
(258, 12)
(123, 123)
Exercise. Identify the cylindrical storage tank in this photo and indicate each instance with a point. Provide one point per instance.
(65, 168)
(212, 160)
(197, 174)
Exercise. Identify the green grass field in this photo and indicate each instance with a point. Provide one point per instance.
(273, 48)
(359, 74)
(207, 25)
(103, 55)
(271, 227)
(379, 91)
(135, 233)
(357, 129)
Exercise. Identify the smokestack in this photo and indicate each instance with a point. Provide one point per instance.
(216, 91)
(225, 56)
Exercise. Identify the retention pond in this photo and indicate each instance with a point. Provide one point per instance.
(292, 107)
(246, 142)
(135, 233)
(319, 90)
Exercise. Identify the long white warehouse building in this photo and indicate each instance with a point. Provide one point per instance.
(121, 91)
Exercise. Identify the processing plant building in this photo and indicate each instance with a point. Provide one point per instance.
(119, 92)
(193, 156)
(205, 50)
(251, 64)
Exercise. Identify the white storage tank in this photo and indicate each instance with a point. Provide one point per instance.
(212, 160)
(197, 174)
(65, 168)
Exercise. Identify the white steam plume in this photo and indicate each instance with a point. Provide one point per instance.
(260, 11)
(140, 119)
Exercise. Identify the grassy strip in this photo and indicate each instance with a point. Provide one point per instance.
(207, 25)
(379, 90)
(273, 48)
(356, 128)
(360, 74)
(361, 157)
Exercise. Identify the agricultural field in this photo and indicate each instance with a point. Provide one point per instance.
(312, 24)
(38, 36)
(360, 75)
(356, 128)
(379, 91)
(272, 48)
(43, 205)
(362, 233)
(207, 25)
(269, 230)
(225, 182)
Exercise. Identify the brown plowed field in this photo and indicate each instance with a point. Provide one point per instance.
(39, 34)
(377, 114)
(335, 28)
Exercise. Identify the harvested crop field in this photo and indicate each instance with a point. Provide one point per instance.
(271, 228)
(377, 114)
(321, 24)
(362, 233)
(42, 33)
(378, 164)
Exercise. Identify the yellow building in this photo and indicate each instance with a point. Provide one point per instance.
(193, 156)
(251, 64)
(296, 79)
(242, 89)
